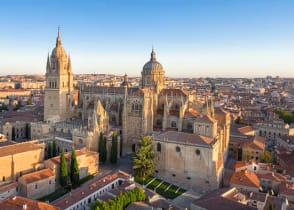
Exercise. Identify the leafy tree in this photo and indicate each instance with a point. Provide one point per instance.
(271, 206)
(102, 148)
(30, 100)
(266, 157)
(144, 158)
(74, 168)
(49, 150)
(286, 116)
(239, 120)
(54, 149)
(113, 152)
(121, 201)
(63, 169)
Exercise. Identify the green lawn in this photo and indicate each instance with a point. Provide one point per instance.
(154, 184)
(169, 194)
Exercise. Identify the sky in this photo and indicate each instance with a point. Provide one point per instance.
(192, 38)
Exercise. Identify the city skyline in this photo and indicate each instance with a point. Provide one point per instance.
(191, 38)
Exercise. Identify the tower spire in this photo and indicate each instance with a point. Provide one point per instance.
(48, 64)
(58, 39)
(153, 54)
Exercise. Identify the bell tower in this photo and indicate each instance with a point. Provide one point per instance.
(59, 84)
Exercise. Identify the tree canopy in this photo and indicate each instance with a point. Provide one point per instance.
(120, 202)
(266, 157)
(144, 158)
(286, 116)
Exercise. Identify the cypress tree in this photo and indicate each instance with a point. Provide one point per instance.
(49, 150)
(113, 152)
(100, 147)
(104, 150)
(54, 150)
(74, 168)
(63, 169)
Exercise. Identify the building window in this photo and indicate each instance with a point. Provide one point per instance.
(173, 124)
(158, 123)
(3, 179)
(189, 126)
(197, 151)
(36, 186)
(188, 178)
(178, 149)
(136, 107)
(173, 175)
(158, 147)
(49, 181)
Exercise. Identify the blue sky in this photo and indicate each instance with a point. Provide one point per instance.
(192, 38)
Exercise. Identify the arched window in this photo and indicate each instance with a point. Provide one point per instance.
(173, 124)
(178, 149)
(158, 123)
(189, 126)
(197, 151)
(158, 147)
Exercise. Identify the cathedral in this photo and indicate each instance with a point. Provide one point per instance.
(190, 138)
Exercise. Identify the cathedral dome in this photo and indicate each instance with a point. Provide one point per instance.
(58, 51)
(152, 66)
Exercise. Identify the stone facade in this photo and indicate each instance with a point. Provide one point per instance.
(16, 131)
(19, 159)
(58, 100)
(137, 111)
(37, 184)
(88, 163)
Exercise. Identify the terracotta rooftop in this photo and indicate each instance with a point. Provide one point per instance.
(89, 188)
(257, 142)
(286, 189)
(215, 201)
(245, 129)
(245, 178)
(19, 148)
(206, 119)
(191, 112)
(180, 137)
(277, 177)
(7, 187)
(17, 202)
(37, 175)
(56, 160)
(138, 206)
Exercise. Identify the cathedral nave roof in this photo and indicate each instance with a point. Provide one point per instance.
(181, 137)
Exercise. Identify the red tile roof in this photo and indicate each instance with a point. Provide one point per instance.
(17, 202)
(37, 175)
(245, 178)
